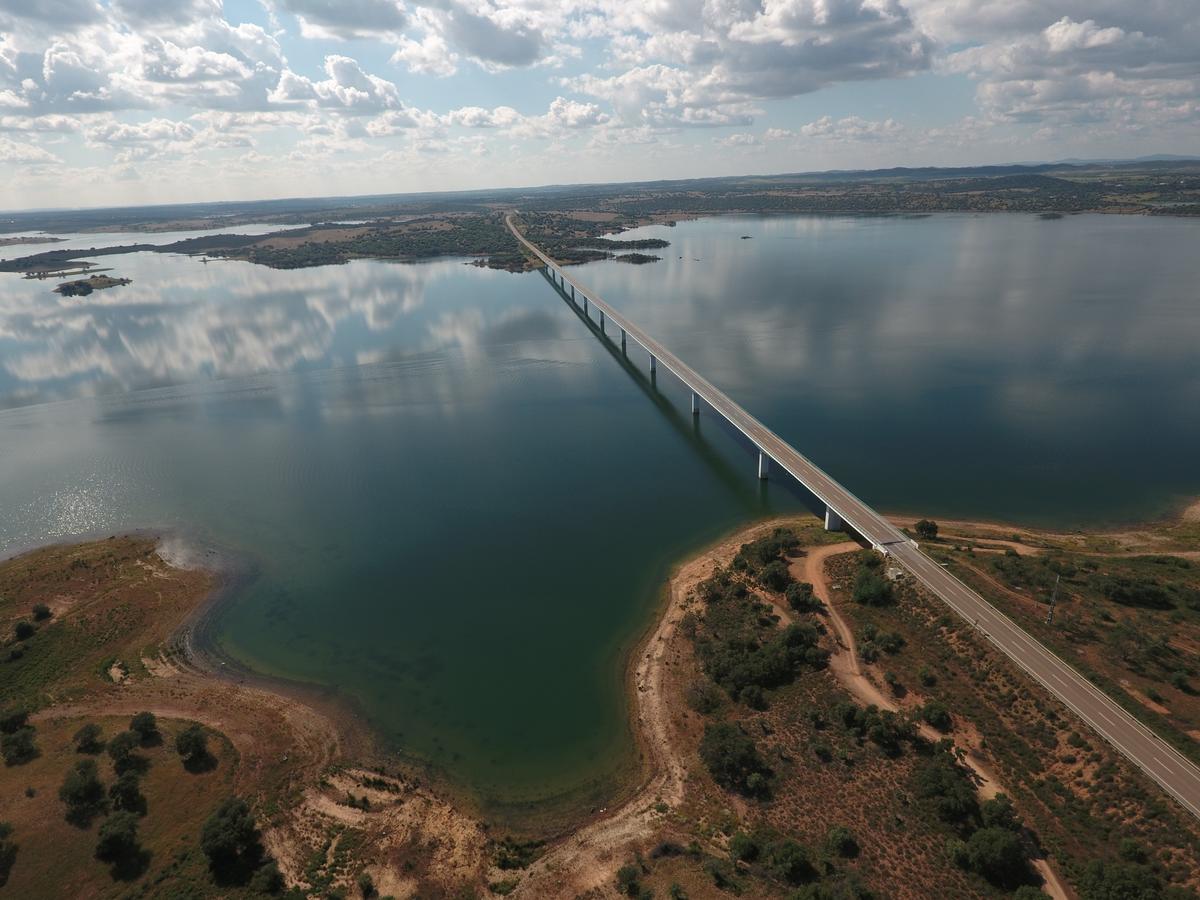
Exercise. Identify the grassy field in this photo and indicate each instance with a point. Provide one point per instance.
(56, 859)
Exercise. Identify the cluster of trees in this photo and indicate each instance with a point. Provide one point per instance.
(990, 841)
(8, 851)
(744, 665)
(24, 629)
(762, 558)
(884, 728)
(873, 642)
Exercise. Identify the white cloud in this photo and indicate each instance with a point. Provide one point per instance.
(347, 89)
(347, 19)
(21, 152)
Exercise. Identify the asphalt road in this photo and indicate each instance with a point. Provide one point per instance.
(1178, 776)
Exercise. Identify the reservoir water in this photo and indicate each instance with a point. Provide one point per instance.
(461, 505)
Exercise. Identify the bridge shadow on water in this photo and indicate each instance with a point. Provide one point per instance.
(752, 493)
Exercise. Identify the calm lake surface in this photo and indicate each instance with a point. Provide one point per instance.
(460, 505)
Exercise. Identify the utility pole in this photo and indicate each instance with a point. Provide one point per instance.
(1053, 597)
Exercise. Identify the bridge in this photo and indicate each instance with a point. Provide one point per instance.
(1173, 772)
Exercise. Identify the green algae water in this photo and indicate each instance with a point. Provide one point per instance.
(459, 505)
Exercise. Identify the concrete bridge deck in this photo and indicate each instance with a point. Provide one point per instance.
(1176, 774)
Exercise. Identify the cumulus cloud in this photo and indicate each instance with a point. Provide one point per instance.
(21, 153)
(347, 89)
(347, 19)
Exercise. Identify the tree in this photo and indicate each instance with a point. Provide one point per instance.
(627, 879)
(926, 529)
(192, 745)
(145, 726)
(840, 842)
(268, 879)
(998, 855)
(18, 747)
(799, 595)
(871, 589)
(775, 575)
(41, 612)
(788, 861)
(23, 630)
(743, 848)
(230, 840)
(366, 884)
(733, 759)
(118, 836)
(126, 793)
(8, 852)
(87, 739)
(937, 715)
(999, 813)
(121, 748)
(82, 792)
(13, 718)
(1104, 880)
(942, 781)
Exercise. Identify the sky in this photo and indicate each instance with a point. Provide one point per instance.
(120, 102)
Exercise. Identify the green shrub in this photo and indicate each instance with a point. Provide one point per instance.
(18, 747)
(840, 842)
(871, 589)
(733, 759)
(998, 855)
(941, 781)
(82, 792)
(8, 852)
(800, 597)
(743, 848)
(231, 841)
(118, 836)
(41, 612)
(926, 529)
(23, 630)
(789, 862)
(145, 726)
(937, 715)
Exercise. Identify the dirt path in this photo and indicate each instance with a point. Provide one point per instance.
(844, 664)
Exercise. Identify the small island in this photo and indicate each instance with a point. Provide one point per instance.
(85, 286)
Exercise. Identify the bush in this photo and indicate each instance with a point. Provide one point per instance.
(267, 879)
(788, 861)
(627, 879)
(775, 575)
(743, 848)
(943, 782)
(937, 715)
(840, 842)
(1104, 880)
(23, 630)
(871, 589)
(13, 719)
(999, 813)
(366, 884)
(998, 855)
(733, 759)
(87, 739)
(18, 747)
(145, 726)
(8, 852)
(800, 597)
(230, 840)
(704, 697)
(926, 529)
(41, 612)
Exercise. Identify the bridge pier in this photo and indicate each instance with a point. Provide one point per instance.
(572, 292)
(695, 404)
(622, 340)
(764, 463)
(585, 306)
(653, 364)
(833, 522)
(602, 321)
